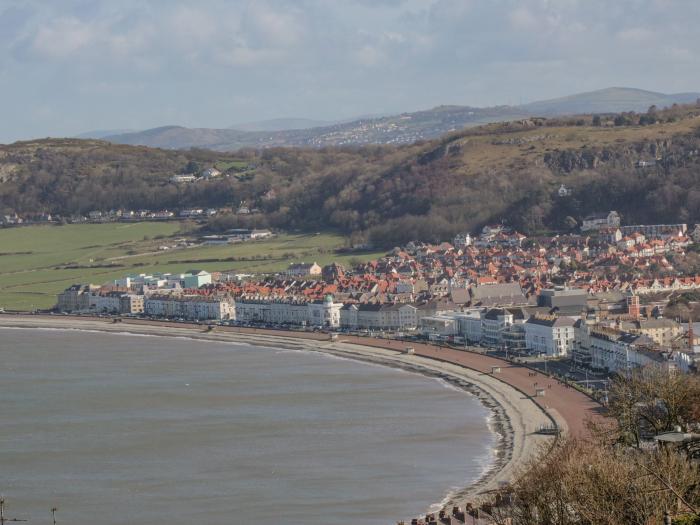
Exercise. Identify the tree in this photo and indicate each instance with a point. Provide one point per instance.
(603, 481)
(646, 120)
(193, 167)
(587, 483)
(652, 400)
(596, 120)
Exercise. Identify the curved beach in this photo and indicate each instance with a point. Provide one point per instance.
(508, 393)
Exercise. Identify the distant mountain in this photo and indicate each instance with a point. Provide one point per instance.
(405, 128)
(398, 129)
(102, 133)
(282, 124)
(178, 137)
(610, 100)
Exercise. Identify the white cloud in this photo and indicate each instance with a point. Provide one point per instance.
(522, 19)
(368, 56)
(63, 37)
(245, 56)
(635, 35)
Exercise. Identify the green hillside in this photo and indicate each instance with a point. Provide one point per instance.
(646, 166)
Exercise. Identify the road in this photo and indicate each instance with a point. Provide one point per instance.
(574, 407)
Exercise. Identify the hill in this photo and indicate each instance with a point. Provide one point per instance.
(102, 133)
(610, 100)
(399, 129)
(646, 166)
(405, 128)
(281, 124)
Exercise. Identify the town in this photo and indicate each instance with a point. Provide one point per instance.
(609, 299)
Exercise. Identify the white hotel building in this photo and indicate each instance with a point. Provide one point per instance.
(549, 335)
(191, 307)
(324, 313)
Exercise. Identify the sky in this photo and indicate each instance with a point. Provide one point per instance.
(71, 66)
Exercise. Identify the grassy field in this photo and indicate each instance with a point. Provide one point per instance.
(227, 165)
(37, 262)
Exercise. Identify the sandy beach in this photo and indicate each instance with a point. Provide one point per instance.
(517, 414)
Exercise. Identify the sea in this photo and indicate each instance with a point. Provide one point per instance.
(124, 429)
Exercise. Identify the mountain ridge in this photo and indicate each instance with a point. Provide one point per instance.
(403, 128)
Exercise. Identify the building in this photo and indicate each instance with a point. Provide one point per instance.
(75, 298)
(303, 269)
(549, 335)
(260, 234)
(191, 212)
(601, 220)
(389, 316)
(132, 304)
(325, 313)
(565, 301)
(195, 279)
(495, 321)
(498, 294)
(564, 191)
(656, 230)
(581, 346)
(439, 326)
(470, 324)
(178, 179)
(210, 173)
(462, 240)
(633, 307)
(514, 338)
(662, 331)
(615, 351)
(191, 307)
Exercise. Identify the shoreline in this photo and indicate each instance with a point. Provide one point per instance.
(514, 418)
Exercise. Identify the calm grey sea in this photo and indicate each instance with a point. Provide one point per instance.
(120, 429)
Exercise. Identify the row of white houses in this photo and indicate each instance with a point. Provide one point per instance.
(605, 348)
(513, 328)
(592, 345)
(615, 351)
(97, 300)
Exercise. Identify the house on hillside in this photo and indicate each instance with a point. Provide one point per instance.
(184, 178)
(210, 173)
(601, 220)
(462, 240)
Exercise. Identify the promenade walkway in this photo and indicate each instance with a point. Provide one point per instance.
(574, 407)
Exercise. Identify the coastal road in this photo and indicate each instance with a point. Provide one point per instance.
(574, 407)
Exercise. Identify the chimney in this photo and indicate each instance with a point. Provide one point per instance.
(633, 306)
